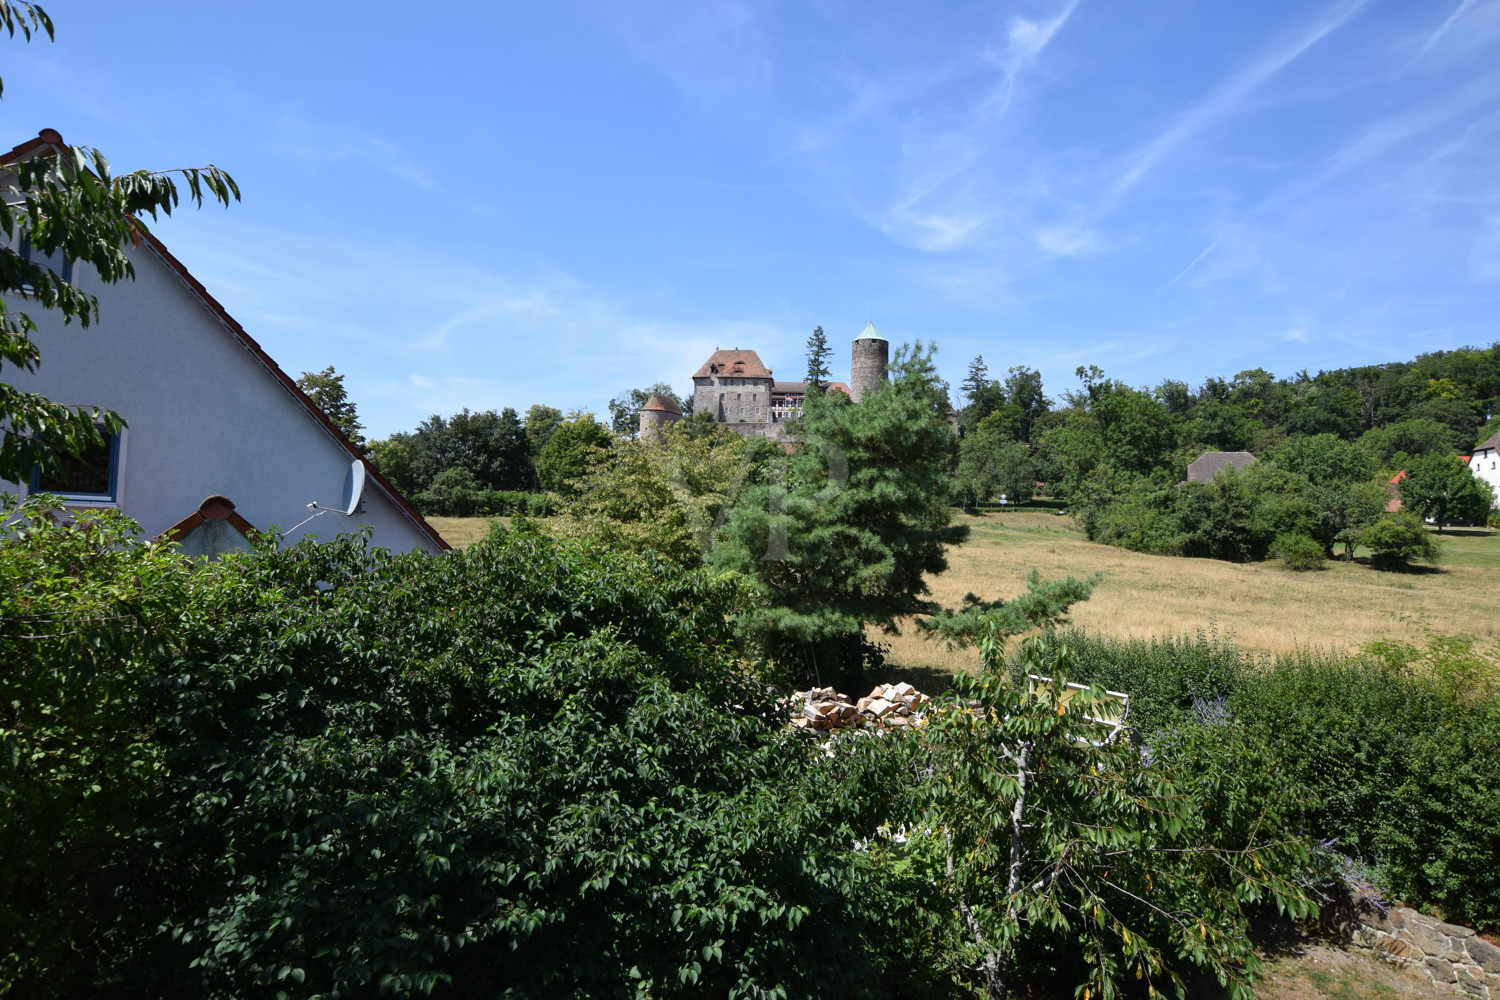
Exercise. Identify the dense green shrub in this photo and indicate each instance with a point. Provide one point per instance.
(525, 769)
(84, 609)
(1062, 854)
(1407, 773)
(455, 493)
(1172, 681)
(1397, 540)
(1399, 747)
(1297, 552)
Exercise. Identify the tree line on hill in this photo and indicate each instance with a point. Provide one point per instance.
(1328, 443)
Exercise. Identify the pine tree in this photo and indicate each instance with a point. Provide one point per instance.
(326, 390)
(818, 353)
(977, 381)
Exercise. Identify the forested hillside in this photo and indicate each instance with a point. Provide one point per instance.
(1329, 444)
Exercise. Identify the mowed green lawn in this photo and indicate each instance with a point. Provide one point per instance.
(1261, 606)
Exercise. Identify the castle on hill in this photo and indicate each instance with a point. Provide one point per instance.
(736, 387)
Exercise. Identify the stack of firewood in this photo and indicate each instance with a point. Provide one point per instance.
(822, 710)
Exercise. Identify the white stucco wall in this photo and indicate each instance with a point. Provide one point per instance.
(1485, 464)
(204, 414)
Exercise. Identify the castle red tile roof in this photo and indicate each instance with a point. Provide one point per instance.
(733, 362)
(660, 402)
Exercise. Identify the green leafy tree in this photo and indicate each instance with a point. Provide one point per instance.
(86, 613)
(1396, 540)
(1344, 510)
(1058, 849)
(1322, 406)
(1324, 459)
(666, 496)
(492, 447)
(326, 390)
(1023, 389)
(570, 450)
(1444, 489)
(818, 356)
(992, 462)
(541, 421)
(393, 457)
(1412, 437)
(66, 204)
(1486, 432)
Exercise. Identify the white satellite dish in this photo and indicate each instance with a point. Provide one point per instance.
(356, 486)
(356, 493)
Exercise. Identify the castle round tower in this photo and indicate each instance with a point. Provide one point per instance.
(658, 412)
(871, 356)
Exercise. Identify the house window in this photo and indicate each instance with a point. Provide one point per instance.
(90, 477)
(64, 268)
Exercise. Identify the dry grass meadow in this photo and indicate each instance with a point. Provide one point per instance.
(1260, 606)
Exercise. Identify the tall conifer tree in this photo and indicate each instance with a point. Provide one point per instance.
(818, 353)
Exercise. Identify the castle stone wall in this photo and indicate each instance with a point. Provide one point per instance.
(733, 399)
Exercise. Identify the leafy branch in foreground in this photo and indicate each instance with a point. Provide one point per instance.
(1061, 851)
(62, 207)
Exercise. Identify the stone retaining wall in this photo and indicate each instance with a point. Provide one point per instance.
(1453, 956)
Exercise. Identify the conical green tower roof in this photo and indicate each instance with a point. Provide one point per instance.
(869, 333)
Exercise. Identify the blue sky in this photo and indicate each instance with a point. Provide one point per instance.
(492, 205)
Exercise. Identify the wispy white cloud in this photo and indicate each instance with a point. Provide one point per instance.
(1026, 39)
(1452, 19)
(1468, 30)
(296, 138)
(1458, 103)
(948, 120)
(1066, 241)
(1229, 95)
(1202, 255)
(713, 51)
(451, 334)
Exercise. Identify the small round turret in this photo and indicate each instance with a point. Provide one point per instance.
(871, 356)
(658, 412)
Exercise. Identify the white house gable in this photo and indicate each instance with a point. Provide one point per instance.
(208, 414)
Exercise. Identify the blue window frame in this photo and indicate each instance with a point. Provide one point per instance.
(90, 477)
